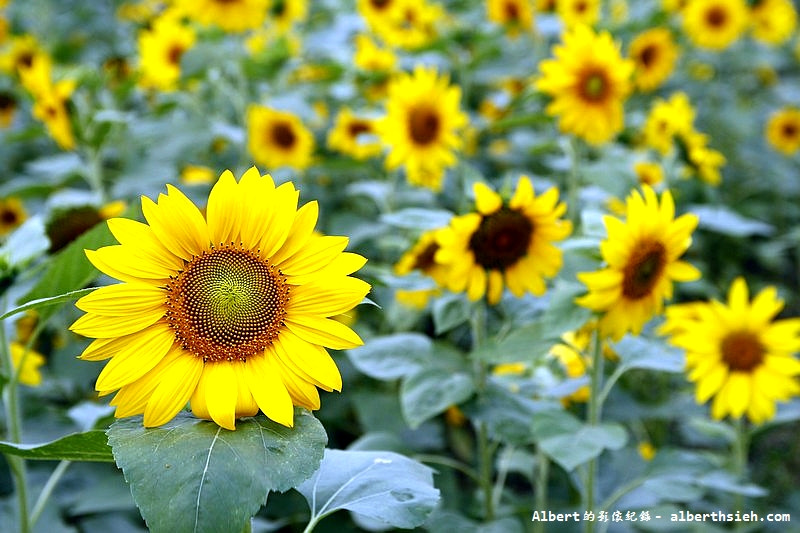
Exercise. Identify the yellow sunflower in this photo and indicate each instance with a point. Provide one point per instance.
(739, 354)
(278, 138)
(50, 99)
(642, 260)
(648, 173)
(421, 257)
(354, 136)
(514, 15)
(421, 126)
(370, 57)
(578, 12)
(704, 161)
(27, 363)
(161, 47)
(572, 352)
(588, 81)
(12, 214)
(229, 15)
(229, 311)
(8, 108)
(283, 14)
(410, 24)
(667, 120)
(715, 24)
(504, 244)
(783, 130)
(19, 53)
(655, 54)
(773, 21)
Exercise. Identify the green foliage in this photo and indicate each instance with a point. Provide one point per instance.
(88, 446)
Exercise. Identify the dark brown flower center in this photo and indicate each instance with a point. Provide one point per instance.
(278, 8)
(643, 270)
(717, 17)
(380, 4)
(423, 124)
(9, 217)
(358, 127)
(501, 239)
(789, 130)
(594, 86)
(174, 54)
(227, 304)
(283, 135)
(580, 7)
(648, 56)
(425, 260)
(7, 101)
(511, 11)
(742, 351)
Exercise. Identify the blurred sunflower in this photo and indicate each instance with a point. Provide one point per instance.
(642, 257)
(578, 12)
(648, 173)
(19, 53)
(27, 363)
(654, 52)
(411, 24)
(667, 120)
(514, 15)
(783, 130)
(370, 57)
(229, 15)
(284, 14)
(421, 126)
(12, 214)
(545, 6)
(773, 21)
(588, 81)
(504, 244)
(161, 47)
(739, 354)
(573, 353)
(50, 99)
(229, 311)
(278, 138)
(674, 6)
(354, 136)
(197, 175)
(715, 24)
(704, 161)
(421, 257)
(8, 107)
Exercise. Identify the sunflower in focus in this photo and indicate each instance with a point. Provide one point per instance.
(773, 21)
(421, 257)
(514, 15)
(642, 261)
(229, 311)
(12, 214)
(161, 48)
(421, 126)
(354, 136)
(278, 138)
(783, 130)
(578, 12)
(654, 52)
(230, 15)
(588, 81)
(737, 353)
(715, 24)
(504, 244)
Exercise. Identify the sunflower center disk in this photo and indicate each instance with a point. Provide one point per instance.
(643, 270)
(423, 125)
(742, 351)
(594, 86)
(227, 304)
(502, 239)
(282, 135)
(649, 56)
(716, 17)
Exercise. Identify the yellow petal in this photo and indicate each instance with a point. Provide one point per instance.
(98, 326)
(302, 228)
(214, 398)
(140, 237)
(125, 264)
(486, 200)
(318, 253)
(310, 359)
(123, 299)
(268, 390)
(128, 364)
(523, 195)
(176, 383)
(283, 214)
(327, 298)
(223, 210)
(323, 331)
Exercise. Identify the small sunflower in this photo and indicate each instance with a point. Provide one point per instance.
(783, 130)
(19, 53)
(50, 99)
(229, 311)
(648, 173)
(504, 244)
(27, 363)
(739, 354)
(514, 15)
(411, 24)
(278, 138)
(354, 136)
(578, 12)
(12, 214)
(705, 162)
(230, 15)
(421, 258)
(8, 107)
(655, 53)
(715, 24)
(642, 257)
(284, 14)
(588, 81)
(773, 21)
(667, 120)
(421, 126)
(371, 57)
(160, 50)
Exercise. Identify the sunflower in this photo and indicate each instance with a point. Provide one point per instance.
(648, 173)
(421, 258)
(12, 214)
(421, 126)
(578, 12)
(773, 21)
(715, 24)
(705, 162)
(50, 105)
(514, 15)
(655, 54)
(27, 363)
(739, 354)
(228, 311)
(8, 107)
(572, 353)
(19, 53)
(588, 81)
(286, 13)
(229, 15)
(278, 138)
(504, 244)
(411, 24)
(160, 50)
(371, 57)
(641, 255)
(667, 120)
(354, 136)
(783, 130)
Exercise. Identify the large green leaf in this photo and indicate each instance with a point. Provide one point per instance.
(392, 356)
(640, 352)
(431, 391)
(191, 475)
(573, 448)
(88, 446)
(383, 486)
(450, 311)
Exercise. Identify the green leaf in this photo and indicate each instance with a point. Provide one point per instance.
(392, 356)
(639, 352)
(88, 446)
(52, 300)
(418, 218)
(723, 220)
(431, 391)
(574, 448)
(507, 414)
(383, 486)
(450, 311)
(192, 475)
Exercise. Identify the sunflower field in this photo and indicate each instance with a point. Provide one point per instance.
(486, 266)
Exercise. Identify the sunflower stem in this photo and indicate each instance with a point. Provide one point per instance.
(593, 413)
(740, 448)
(484, 459)
(47, 490)
(540, 490)
(94, 174)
